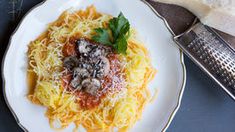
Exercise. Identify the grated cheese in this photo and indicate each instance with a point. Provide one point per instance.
(119, 109)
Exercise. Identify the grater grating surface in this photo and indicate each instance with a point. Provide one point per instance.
(207, 49)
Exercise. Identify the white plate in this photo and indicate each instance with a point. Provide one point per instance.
(166, 57)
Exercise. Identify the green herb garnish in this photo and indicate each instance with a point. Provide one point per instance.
(115, 35)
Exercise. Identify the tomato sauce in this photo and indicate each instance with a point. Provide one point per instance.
(111, 83)
(69, 50)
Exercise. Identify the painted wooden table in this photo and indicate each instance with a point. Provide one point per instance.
(205, 107)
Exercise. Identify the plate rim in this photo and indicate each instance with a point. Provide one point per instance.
(173, 113)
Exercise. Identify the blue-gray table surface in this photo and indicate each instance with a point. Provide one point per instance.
(205, 107)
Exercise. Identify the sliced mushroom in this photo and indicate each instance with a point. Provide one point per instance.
(102, 67)
(81, 72)
(85, 63)
(91, 85)
(75, 83)
(99, 51)
(84, 47)
(105, 65)
(87, 48)
(70, 62)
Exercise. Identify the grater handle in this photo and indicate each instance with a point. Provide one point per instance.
(211, 53)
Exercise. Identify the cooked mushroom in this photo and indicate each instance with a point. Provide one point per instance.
(75, 83)
(87, 48)
(91, 85)
(91, 65)
(102, 67)
(99, 51)
(84, 47)
(81, 72)
(70, 62)
(85, 63)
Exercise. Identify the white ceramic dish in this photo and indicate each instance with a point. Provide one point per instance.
(166, 57)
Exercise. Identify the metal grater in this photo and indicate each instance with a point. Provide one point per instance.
(207, 49)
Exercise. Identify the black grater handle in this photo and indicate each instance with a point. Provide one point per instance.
(211, 53)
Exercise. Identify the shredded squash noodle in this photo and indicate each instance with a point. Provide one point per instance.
(118, 110)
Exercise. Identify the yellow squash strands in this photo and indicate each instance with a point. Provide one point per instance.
(119, 110)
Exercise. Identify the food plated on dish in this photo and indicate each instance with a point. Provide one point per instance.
(65, 61)
(88, 68)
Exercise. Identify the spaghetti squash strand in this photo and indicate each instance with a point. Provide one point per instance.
(117, 110)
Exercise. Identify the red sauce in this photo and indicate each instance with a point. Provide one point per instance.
(110, 83)
(114, 80)
(69, 49)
